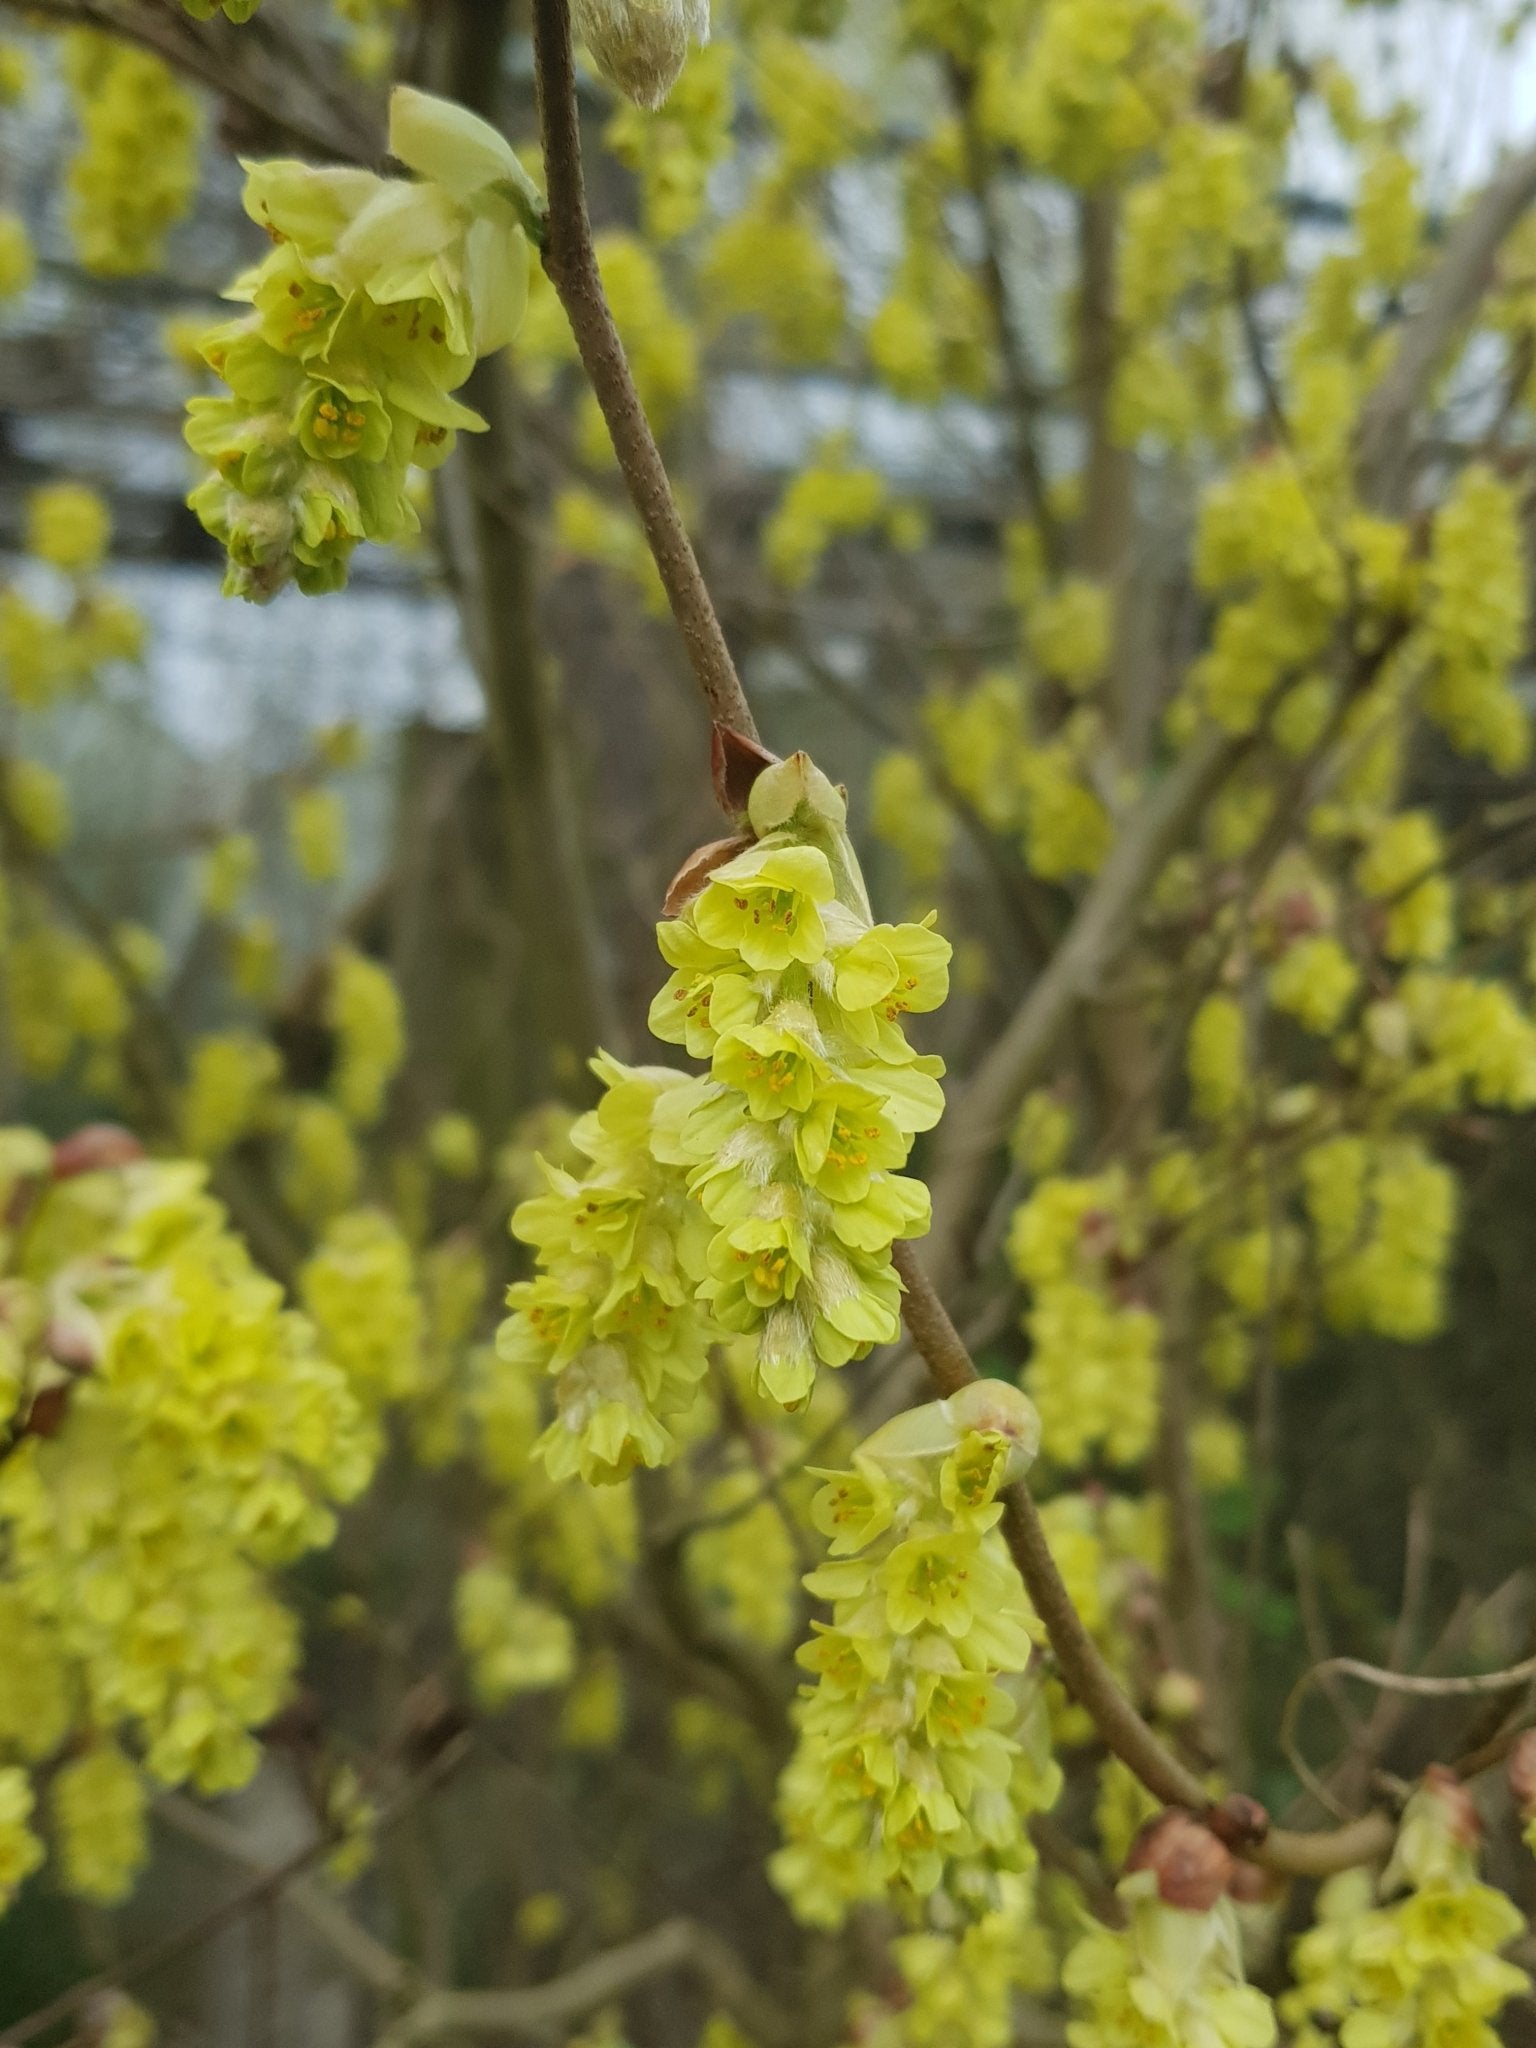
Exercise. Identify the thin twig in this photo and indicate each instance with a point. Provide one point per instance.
(571, 263)
(543, 2009)
(269, 1884)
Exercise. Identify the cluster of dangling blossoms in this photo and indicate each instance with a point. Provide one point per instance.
(169, 1433)
(759, 1201)
(375, 303)
(921, 1746)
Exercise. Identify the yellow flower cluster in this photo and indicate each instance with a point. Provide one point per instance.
(45, 656)
(612, 1316)
(914, 1767)
(1314, 981)
(910, 817)
(796, 1139)
(959, 1990)
(1187, 224)
(831, 499)
(1476, 617)
(177, 1433)
(673, 150)
(1473, 1041)
(99, 1807)
(1382, 1213)
(360, 1290)
(363, 1009)
(1102, 82)
(769, 264)
(1389, 222)
(1424, 1967)
(1401, 867)
(317, 833)
(1172, 1977)
(817, 119)
(514, 1644)
(69, 526)
(1038, 791)
(1216, 1059)
(1067, 631)
(1259, 531)
(230, 1092)
(135, 174)
(1093, 1366)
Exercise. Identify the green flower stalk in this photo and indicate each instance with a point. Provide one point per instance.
(371, 310)
(916, 1764)
(612, 1316)
(784, 982)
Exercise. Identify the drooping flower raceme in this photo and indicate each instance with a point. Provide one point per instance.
(173, 1432)
(1425, 1967)
(1173, 1976)
(374, 306)
(783, 980)
(915, 1761)
(612, 1315)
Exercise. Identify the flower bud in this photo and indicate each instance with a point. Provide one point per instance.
(1192, 1868)
(640, 46)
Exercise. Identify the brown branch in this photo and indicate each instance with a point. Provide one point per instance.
(571, 263)
(540, 2010)
(976, 1123)
(384, 1972)
(264, 67)
(1465, 270)
(1083, 1670)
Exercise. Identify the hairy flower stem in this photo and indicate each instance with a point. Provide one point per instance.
(571, 265)
(1084, 1672)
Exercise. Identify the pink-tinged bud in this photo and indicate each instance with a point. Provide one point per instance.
(1192, 1868)
(93, 1149)
(1522, 1774)
(1456, 1804)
